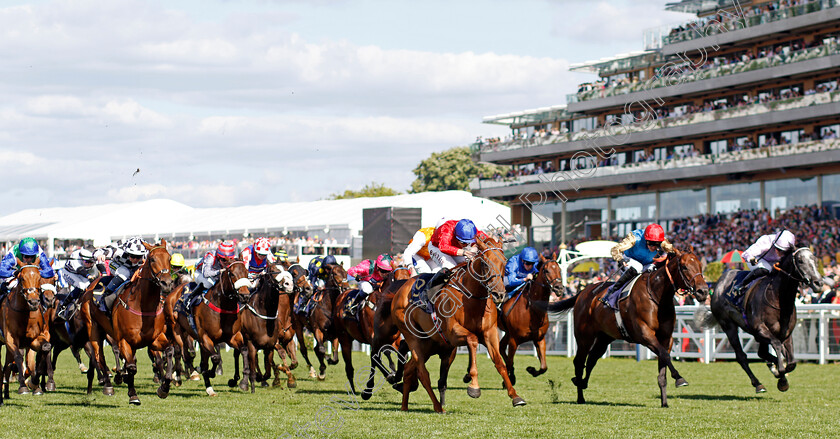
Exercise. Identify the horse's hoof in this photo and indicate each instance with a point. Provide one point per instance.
(293, 365)
(161, 393)
(398, 387)
(264, 384)
(518, 401)
(790, 367)
(211, 392)
(83, 368)
(134, 400)
(473, 393)
(322, 377)
(37, 392)
(311, 372)
(232, 383)
(681, 382)
(391, 378)
(118, 379)
(243, 386)
(156, 380)
(760, 388)
(23, 390)
(50, 387)
(178, 383)
(366, 395)
(291, 384)
(29, 383)
(533, 371)
(578, 383)
(195, 376)
(467, 379)
(108, 391)
(783, 385)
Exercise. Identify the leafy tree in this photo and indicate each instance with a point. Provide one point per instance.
(450, 170)
(371, 190)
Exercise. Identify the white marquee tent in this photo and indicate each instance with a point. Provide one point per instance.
(169, 219)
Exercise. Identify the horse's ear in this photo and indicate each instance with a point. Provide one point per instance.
(162, 242)
(19, 262)
(297, 260)
(542, 259)
(554, 256)
(37, 262)
(147, 245)
(690, 248)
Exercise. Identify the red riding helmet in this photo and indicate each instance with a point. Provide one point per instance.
(654, 233)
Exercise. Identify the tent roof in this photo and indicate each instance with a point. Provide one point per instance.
(165, 218)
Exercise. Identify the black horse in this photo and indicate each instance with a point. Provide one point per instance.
(769, 313)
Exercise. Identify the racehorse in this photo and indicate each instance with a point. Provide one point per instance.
(466, 315)
(137, 321)
(24, 325)
(261, 322)
(320, 321)
(769, 313)
(648, 317)
(524, 317)
(216, 319)
(361, 328)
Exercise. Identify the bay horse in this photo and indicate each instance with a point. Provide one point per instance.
(137, 321)
(524, 317)
(361, 330)
(266, 315)
(25, 327)
(648, 315)
(216, 319)
(320, 320)
(769, 313)
(466, 315)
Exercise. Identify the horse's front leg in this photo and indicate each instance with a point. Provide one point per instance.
(129, 370)
(781, 364)
(541, 355)
(667, 340)
(473, 389)
(19, 355)
(650, 341)
(491, 341)
(165, 365)
(446, 360)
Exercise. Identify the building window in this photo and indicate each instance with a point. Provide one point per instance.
(730, 198)
(790, 137)
(717, 147)
(629, 211)
(586, 219)
(682, 203)
(780, 195)
(583, 124)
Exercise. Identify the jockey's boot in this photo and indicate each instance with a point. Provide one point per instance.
(611, 298)
(436, 283)
(68, 299)
(751, 276)
(188, 300)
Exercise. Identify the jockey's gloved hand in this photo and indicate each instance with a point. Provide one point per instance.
(753, 261)
(650, 268)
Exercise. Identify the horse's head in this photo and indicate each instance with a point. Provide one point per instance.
(301, 283)
(237, 286)
(551, 276)
(29, 284)
(489, 267)
(400, 273)
(805, 268)
(157, 266)
(689, 274)
(278, 279)
(48, 292)
(337, 277)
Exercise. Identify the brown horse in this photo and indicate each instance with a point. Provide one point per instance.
(524, 317)
(25, 326)
(467, 315)
(216, 319)
(361, 330)
(770, 311)
(648, 315)
(320, 321)
(137, 321)
(261, 322)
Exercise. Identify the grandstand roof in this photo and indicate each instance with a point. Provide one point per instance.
(105, 222)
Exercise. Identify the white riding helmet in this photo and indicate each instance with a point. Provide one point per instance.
(785, 241)
(85, 255)
(135, 248)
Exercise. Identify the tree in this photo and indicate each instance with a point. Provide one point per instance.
(371, 190)
(450, 170)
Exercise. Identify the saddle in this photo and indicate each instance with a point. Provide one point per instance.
(305, 304)
(627, 288)
(737, 298)
(106, 303)
(418, 294)
(354, 303)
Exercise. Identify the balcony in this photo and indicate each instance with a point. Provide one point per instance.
(708, 71)
(702, 28)
(782, 156)
(702, 122)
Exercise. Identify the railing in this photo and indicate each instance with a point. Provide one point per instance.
(816, 338)
(659, 165)
(830, 48)
(750, 20)
(687, 119)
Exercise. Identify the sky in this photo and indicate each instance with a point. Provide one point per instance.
(221, 103)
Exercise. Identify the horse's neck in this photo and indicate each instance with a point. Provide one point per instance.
(784, 290)
(265, 297)
(661, 285)
(471, 284)
(540, 290)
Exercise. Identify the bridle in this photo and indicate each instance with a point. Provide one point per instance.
(801, 279)
(486, 281)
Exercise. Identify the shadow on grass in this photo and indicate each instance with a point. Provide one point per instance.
(704, 397)
(600, 403)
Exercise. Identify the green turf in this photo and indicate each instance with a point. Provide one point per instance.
(623, 402)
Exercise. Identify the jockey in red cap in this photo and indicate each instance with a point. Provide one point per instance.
(637, 251)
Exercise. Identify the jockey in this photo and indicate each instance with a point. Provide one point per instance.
(761, 256)
(125, 260)
(27, 251)
(317, 278)
(177, 271)
(637, 251)
(417, 252)
(450, 245)
(211, 268)
(370, 275)
(314, 272)
(281, 256)
(521, 268)
(257, 256)
(79, 271)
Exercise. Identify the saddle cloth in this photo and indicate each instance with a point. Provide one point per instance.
(418, 292)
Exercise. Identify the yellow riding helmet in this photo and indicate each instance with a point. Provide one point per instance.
(177, 260)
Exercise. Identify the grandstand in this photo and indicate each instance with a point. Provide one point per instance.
(336, 221)
(736, 110)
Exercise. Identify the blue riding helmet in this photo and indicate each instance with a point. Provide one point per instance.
(529, 255)
(28, 247)
(330, 259)
(465, 231)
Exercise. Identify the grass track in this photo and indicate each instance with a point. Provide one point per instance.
(623, 401)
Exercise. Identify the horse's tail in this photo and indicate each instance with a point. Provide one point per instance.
(704, 318)
(563, 305)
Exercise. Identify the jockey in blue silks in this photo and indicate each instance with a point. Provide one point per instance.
(520, 269)
(637, 251)
(27, 251)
